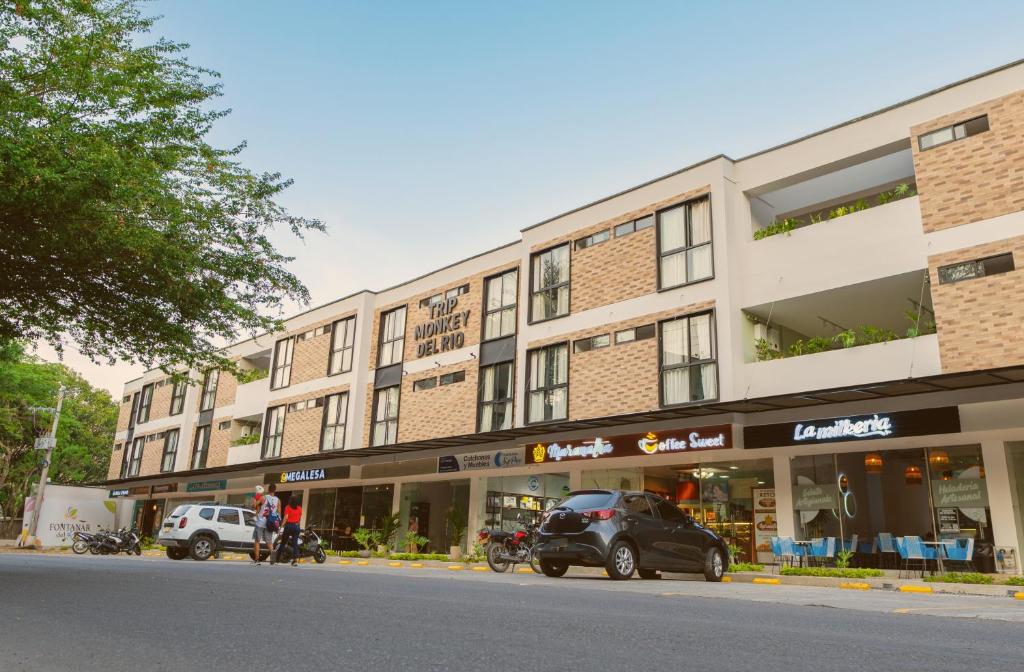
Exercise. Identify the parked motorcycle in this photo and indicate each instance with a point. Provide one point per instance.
(309, 547)
(84, 542)
(124, 540)
(510, 548)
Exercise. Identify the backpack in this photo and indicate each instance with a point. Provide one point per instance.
(273, 519)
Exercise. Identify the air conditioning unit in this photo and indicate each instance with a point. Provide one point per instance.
(770, 334)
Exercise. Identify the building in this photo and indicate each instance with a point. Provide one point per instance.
(819, 339)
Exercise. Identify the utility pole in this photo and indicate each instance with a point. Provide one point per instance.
(49, 441)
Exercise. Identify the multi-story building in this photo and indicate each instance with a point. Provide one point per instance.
(820, 339)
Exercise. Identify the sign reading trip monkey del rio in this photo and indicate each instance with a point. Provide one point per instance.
(445, 331)
(651, 443)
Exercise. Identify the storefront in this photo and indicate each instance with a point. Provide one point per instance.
(335, 513)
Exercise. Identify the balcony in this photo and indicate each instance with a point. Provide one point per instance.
(251, 400)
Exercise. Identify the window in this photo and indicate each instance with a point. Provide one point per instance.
(206, 514)
(224, 425)
(592, 343)
(170, 450)
(634, 334)
(495, 405)
(453, 377)
(593, 239)
(627, 228)
(343, 341)
(688, 369)
(229, 516)
(550, 284)
(949, 134)
(332, 437)
(977, 268)
(201, 447)
(392, 337)
(177, 398)
(684, 244)
(500, 305)
(668, 510)
(450, 294)
(209, 395)
(548, 383)
(273, 432)
(282, 369)
(249, 517)
(135, 460)
(126, 398)
(145, 402)
(385, 416)
(637, 505)
(424, 384)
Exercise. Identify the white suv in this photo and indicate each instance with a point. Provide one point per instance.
(200, 530)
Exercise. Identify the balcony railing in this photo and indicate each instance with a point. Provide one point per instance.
(836, 211)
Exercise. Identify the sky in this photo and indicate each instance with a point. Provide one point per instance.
(422, 133)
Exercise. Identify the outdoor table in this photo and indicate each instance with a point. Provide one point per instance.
(807, 549)
(940, 552)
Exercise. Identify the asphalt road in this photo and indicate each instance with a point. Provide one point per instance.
(95, 613)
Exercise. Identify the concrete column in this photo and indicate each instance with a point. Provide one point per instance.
(575, 479)
(1000, 497)
(476, 511)
(784, 496)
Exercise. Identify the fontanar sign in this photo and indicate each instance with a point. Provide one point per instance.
(945, 420)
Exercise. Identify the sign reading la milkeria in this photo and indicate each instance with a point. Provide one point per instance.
(924, 422)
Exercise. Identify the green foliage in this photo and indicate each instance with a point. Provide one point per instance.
(347, 554)
(246, 440)
(841, 211)
(846, 338)
(764, 350)
(746, 567)
(961, 577)
(900, 191)
(124, 229)
(367, 539)
(734, 551)
(1015, 581)
(455, 518)
(84, 435)
(419, 556)
(868, 335)
(775, 228)
(251, 375)
(832, 572)
(415, 541)
(858, 205)
(388, 529)
(843, 559)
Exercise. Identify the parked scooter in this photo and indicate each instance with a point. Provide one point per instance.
(124, 540)
(84, 542)
(511, 548)
(309, 547)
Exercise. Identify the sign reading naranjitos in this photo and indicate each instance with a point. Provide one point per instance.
(962, 493)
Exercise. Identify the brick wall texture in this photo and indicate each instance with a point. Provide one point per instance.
(302, 428)
(445, 410)
(975, 178)
(978, 320)
(124, 413)
(161, 406)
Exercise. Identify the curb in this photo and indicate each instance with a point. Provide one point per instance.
(766, 581)
(916, 589)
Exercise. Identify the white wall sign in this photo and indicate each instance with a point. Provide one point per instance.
(495, 459)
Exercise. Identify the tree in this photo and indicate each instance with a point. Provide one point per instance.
(123, 228)
(84, 435)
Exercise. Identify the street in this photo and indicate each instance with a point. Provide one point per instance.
(102, 613)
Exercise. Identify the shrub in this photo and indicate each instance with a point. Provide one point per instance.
(764, 350)
(348, 554)
(775, 228)
(419, 556)
(415, 541)
(367, 539)
(746, 567)
(1015, 581)
(832, 572)
(961, 577)
(246, 440)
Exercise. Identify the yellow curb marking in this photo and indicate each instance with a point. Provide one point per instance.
(455, 567)
(916, 589)
(481, 569)
(394, 564)
(726, 579)
(417, 565)
(855, 586)
(1018, 596)
(363, 562)
(525, 570)
(761, 579)
(344, 562)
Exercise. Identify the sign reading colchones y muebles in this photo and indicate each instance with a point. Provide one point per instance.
(650, 443)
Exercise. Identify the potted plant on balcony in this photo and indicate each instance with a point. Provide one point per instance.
(456, 520)
(366, 539)
(388, 531)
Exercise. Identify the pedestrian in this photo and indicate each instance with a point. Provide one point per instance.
(268, 511)
(292, 518)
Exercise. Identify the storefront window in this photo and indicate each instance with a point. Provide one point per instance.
(377, 503)
(428, 509)
(960, 498)
(515, 500)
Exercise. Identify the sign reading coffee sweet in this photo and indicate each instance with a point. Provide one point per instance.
(445, 331)
(651, 443)
(855, 428)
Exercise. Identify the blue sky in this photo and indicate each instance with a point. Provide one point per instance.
(425, 132)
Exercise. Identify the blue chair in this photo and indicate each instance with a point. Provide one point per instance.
(822, 549)
(961, 551)
(776, 550)
(886, 548)
(912, 551)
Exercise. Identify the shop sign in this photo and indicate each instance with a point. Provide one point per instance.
(651, 443)
(119, 492)
(307, 475)
(962, 493)
(854, 428)
(815, 497)
(499, 459)
(766, 524)
(445, 331)
(949, 521)
(166, 487)
(206, 486)
(126, 492)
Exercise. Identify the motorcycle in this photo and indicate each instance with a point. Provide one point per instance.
(309, 547)
(84, 542)
(510, 548)
(126, 540)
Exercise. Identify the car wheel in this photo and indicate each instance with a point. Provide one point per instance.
(494, 560)
(554, 569)
(201, 548)
(621, 561)
(176, 553)
(319, 555)
(648, 574)
(714, 565)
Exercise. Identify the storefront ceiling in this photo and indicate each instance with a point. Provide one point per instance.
(896, 388)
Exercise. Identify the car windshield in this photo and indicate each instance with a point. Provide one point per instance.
(590, 499)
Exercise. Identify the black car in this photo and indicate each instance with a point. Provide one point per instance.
(626, 532)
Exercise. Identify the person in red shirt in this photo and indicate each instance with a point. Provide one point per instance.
(292, 518)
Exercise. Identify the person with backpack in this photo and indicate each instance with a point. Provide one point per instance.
(268, 521)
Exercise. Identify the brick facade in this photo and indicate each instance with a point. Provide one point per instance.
(978, 177)
(302, 428)
(220, 441)
(445, 410)
(227, 385)
(161, 406)
(977, 320)
(124, 414)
